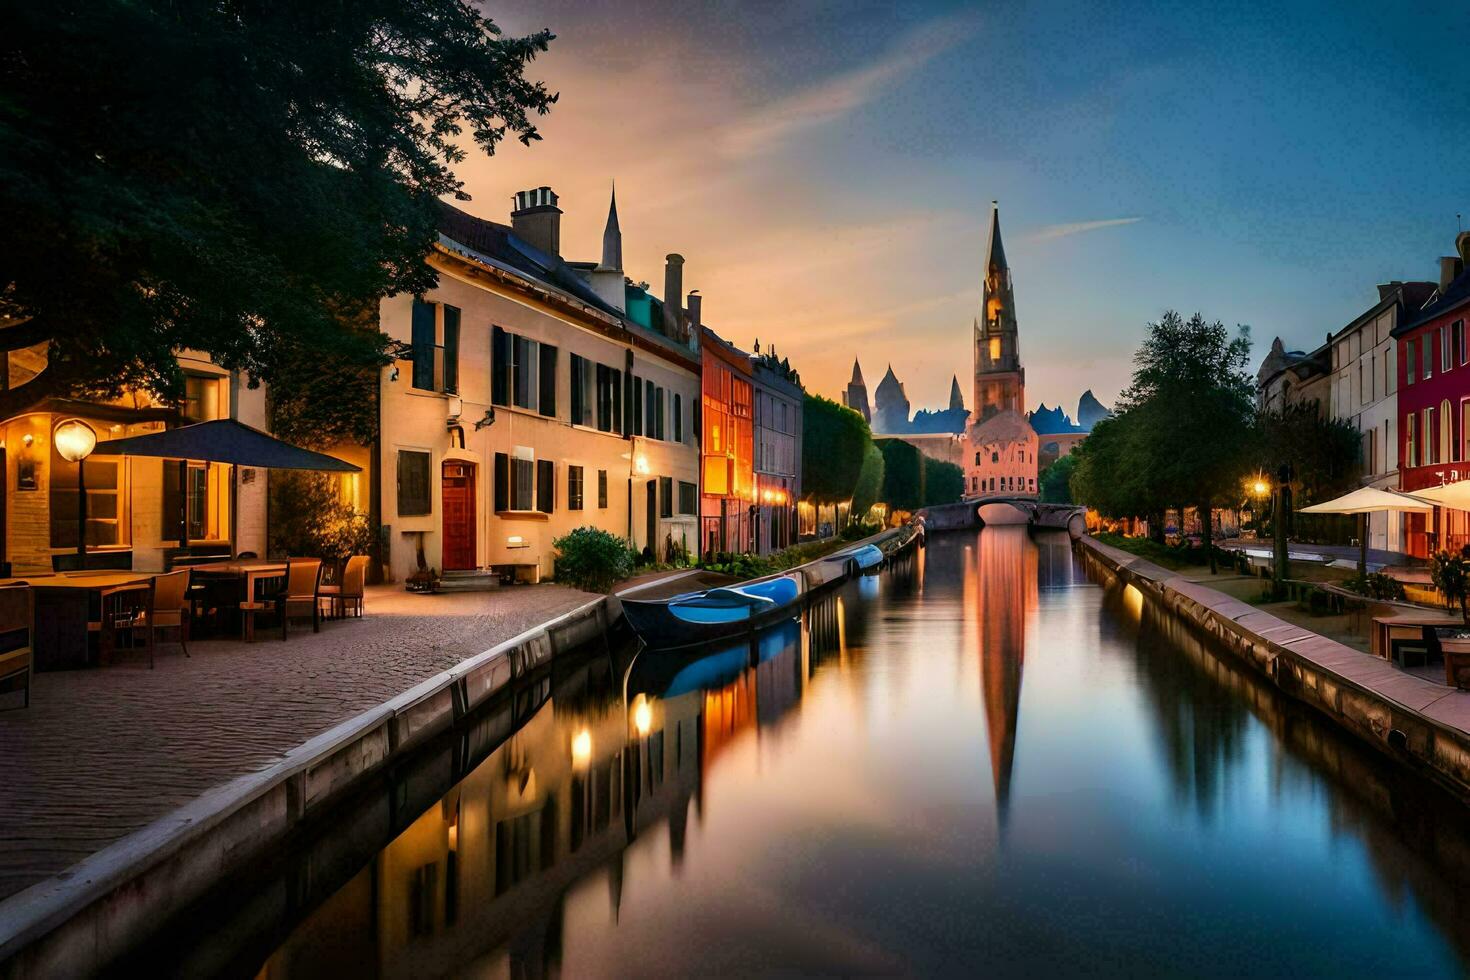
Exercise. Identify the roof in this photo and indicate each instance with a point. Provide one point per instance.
(1455, 295)
(1413, 295)
(1004, 426)
(996, 258)
(500, 243)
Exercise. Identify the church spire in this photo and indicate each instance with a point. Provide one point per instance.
(956, 400)
(857, 373)
(612, 236)
(995, 260)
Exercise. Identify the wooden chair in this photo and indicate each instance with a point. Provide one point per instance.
(347, 594)
(301, 595)
(171, 609)
(17, 611)
(124, 621)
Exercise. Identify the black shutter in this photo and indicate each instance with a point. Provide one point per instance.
(545, 486)
(423, 345)
(451, 349)
(616, 377)
(577, 373)
(500, 367)
(548, 380)
(658, 413)
(678, 417)
(502, 482)
(635, 419)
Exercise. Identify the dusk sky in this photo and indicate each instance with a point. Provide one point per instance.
(827, 169)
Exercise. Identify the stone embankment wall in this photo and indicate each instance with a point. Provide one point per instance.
(1421, 724)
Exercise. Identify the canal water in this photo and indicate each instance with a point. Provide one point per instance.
(977, 762)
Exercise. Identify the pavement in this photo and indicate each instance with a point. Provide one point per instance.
(101, 753)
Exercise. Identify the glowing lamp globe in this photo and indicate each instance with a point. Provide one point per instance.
(1260, 488)
(75, 440)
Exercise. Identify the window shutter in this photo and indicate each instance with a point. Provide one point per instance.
(545, 486)
(423, 344)
(636, 423)
(678, 417)
(502, 482)
(451, 349)
(500, 367)
(578, 369)
(548, 380)
(658, 414)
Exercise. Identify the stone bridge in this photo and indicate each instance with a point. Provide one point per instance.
(1002, 509)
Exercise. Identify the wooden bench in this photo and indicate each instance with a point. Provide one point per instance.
(16, 611)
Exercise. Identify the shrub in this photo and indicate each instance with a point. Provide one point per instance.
(309, 518)
(1450, 572)
(1379, 586)
(591, 559)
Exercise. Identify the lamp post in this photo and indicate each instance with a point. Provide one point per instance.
(75, 440)
(1279, 518)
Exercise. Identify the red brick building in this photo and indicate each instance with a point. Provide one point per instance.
(1434, 402)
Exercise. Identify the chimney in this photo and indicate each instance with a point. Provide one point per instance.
(694, 308)
(537, 220)
(673, 292)
(1450, 267)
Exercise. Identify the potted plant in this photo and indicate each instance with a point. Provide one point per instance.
(1450, 572)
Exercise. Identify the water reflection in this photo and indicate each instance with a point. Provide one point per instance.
(817, 800)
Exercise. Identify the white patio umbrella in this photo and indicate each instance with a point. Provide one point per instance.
(1452, 495)
(1365, 501)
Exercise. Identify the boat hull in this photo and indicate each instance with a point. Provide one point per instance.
(658, 627)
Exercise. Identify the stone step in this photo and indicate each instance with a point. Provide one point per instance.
(472, 580)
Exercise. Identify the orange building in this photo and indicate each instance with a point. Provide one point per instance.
(727, 500)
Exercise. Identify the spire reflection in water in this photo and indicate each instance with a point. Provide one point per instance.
(830, 799)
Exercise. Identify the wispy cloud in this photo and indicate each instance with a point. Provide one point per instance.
(841, 94)
(1051, 232)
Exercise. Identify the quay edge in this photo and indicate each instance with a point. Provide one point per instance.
(76, 923)
(1417, 723)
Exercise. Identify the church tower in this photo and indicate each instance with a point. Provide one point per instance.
(1000, 381)
(856, 395)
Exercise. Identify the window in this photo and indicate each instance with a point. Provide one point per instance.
(977, 459)
(105, 517)
(995, 457)
(1411, 455)
(659, 431)
(198, 505)
(523, 372)
(1426, 441)
(1446, 433)
(1444, 348)
(202, 401)
(1464, 430)
(574, 488)
(1409, 363)
(678, 418)
(609, 399)
(665, 496)
(1461, 355)
(602, 488)
(515, 482)
(423, 345)
(688, 495)
(545, 486)
(451, 349)
(650, 419)
(1427, 360)
(413, 483)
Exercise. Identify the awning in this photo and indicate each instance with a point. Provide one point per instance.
(225, 441)
(1452, 495)
(1371, 500)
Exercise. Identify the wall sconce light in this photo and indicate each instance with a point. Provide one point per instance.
(517, 541)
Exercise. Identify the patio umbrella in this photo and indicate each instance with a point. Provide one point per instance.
(222, 441)
(1365, 501)
(1452, 495)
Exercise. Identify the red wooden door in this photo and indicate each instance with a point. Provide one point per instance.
(459, 516)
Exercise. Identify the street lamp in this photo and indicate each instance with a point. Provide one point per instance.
(74, 441)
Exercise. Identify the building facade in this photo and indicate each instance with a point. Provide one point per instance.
(1433, 407)
(728, 488)
(135, 510)
(1364, 391)
(1002, 445)
(1287, 378)
(527, 403)
(777, 464)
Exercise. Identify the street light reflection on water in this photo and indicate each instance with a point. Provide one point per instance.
(982, 761)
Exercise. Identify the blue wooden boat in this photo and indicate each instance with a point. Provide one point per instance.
(714, 614)
(867, 557)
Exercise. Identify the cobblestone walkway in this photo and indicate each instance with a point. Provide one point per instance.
(101, 753)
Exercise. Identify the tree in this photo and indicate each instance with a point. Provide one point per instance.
(229, 177)
(869, 483)
(903, 474)
(1325, 454)
(1450, 572)
(944, 483)
(834, 444)
(1191, 399)
(1056, 481)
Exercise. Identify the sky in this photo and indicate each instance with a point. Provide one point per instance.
(826, 169)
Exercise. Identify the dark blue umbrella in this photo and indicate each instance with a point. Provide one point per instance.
(225, 441)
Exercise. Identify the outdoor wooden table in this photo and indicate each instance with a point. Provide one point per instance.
(1406, 626)
(1456, 657)
(68, 611)
(249, 572)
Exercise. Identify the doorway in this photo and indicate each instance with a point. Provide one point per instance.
(459, 515)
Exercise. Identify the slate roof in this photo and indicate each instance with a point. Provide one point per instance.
(1455, 295)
